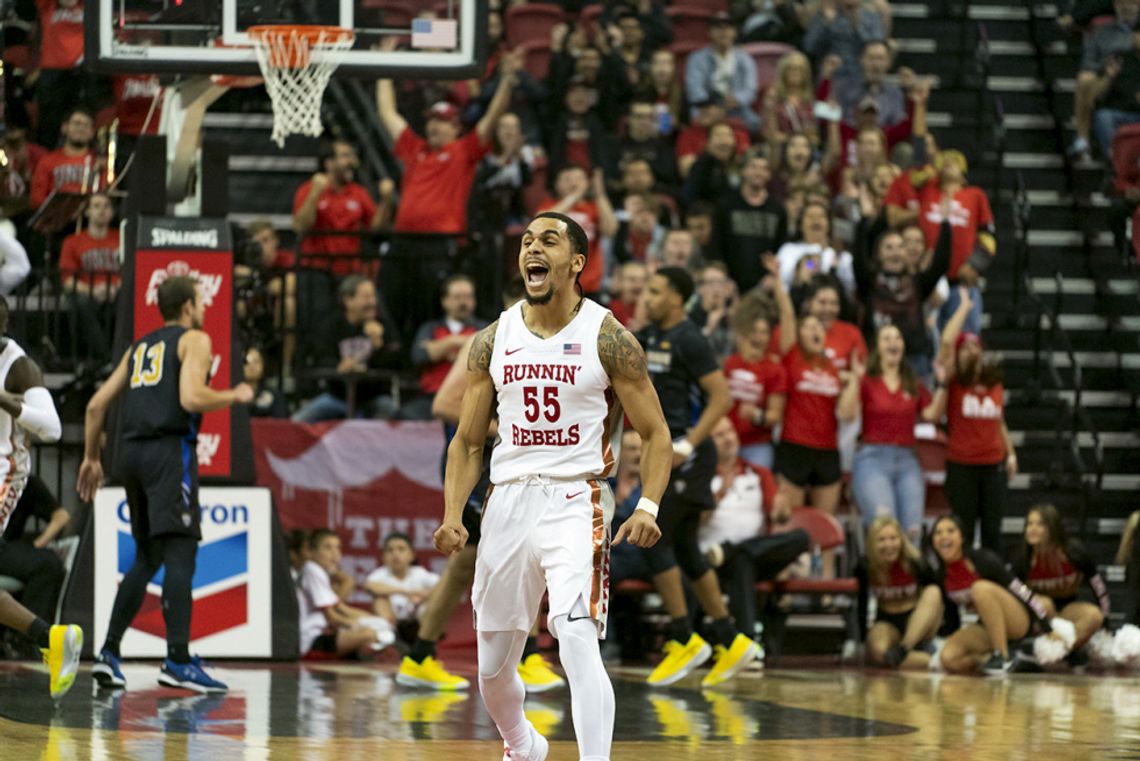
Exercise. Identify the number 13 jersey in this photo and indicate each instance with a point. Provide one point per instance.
(558, 414)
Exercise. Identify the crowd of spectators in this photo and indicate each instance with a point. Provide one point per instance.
(837, 253)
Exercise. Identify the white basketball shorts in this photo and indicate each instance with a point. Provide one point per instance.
(541, 535)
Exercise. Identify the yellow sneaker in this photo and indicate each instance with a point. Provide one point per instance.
(731, 661)
(680, 660)
(62, 657)
(538, 676)
(430, 673)
(544, 717)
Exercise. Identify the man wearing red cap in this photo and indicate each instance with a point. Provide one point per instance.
(439, 168)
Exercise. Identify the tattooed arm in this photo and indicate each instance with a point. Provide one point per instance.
(624, 361)
(465, 453)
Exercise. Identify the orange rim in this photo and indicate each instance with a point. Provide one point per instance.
(296, 57)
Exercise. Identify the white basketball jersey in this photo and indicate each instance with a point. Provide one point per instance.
(15, 460)
(558, 415)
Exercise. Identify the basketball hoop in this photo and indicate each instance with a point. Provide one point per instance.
(294, 77)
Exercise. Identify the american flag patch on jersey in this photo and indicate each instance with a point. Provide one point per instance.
(572, 349)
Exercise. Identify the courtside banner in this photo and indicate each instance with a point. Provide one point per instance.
(233, 576)
(200, 248)
(364, 479)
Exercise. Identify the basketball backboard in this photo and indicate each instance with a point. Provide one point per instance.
(439, 39)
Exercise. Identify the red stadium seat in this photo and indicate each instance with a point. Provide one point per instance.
(532, 21)
(537, 54)
(690, 22)
(825, 531)
(589, 16)
(1126, 157)
(766, 55)
(681, 52)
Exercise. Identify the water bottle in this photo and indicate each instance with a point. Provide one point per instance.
(816, 562)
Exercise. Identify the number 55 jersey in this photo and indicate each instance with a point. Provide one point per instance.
(558, 415)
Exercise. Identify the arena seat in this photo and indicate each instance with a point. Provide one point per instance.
(682, 49)
(766, 56)
(1126, 158)
(690, 22)
(537, 56)
(532, 21)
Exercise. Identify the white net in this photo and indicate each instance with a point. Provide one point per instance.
(296, 79)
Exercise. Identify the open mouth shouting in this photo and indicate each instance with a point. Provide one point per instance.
(537, 274)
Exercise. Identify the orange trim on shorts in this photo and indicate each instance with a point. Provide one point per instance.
(607, 433)
(600, 587)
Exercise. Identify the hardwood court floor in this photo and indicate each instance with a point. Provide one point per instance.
(357, 713)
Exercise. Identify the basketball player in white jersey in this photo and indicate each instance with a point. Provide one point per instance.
(558, 369)
(26, 407)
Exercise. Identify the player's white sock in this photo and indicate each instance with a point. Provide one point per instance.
(591, 692)
(502, 688)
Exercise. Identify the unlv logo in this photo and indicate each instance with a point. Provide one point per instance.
(208, 285)
(208, 444)
(980, 408)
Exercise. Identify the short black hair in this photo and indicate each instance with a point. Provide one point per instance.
(327, 150)
(700, 209)
(78, 110)
(173, 293)
(457, 277)
(579, 241)
(296, 539)
(397, 536)
(679, 280)
(319, 536)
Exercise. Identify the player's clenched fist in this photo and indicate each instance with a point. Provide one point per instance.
(450, 538)
(640, 530)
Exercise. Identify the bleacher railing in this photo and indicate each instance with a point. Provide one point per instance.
(1049, 340)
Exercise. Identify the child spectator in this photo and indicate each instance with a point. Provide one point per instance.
(400, 589)
(908, 599)
(758, 384)
(328, 625)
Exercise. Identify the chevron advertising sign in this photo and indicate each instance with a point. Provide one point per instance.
(232, 584)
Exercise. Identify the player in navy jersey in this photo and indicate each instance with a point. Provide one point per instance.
(687, 375)
(165, 376)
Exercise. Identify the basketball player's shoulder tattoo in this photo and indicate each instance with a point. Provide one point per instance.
(620, 353)
(482, 345)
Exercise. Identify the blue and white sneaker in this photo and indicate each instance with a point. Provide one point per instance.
(108, 672)
(189, 676)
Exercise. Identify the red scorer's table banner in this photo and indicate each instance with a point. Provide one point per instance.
(200, 248)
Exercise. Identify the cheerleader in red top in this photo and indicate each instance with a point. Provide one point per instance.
(977, 580)
(807, 459)
(758, 385)
(907, 597)
(887, 477)
(1055, 566)
(980, 458)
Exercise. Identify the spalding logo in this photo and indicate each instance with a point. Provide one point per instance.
(209, 285)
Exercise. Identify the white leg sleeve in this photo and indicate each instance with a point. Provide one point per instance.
(591, 692)
(502, 688)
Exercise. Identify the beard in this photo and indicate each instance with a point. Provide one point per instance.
(541, 299)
